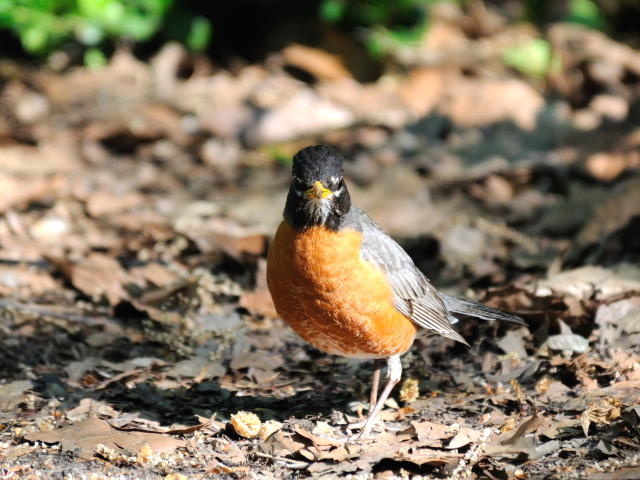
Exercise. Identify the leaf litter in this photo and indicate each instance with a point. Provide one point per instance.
(133, 235)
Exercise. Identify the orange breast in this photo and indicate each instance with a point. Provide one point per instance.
(331, 297)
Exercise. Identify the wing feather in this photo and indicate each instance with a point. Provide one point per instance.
(413, 294)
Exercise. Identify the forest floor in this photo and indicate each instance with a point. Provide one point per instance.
(137, 336)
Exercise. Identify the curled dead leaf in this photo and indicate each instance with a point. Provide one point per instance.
(269, 428)
(247, 424)
(601, 413)
(324, 429)
(409, 391)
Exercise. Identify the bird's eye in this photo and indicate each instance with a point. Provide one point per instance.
(300, 186)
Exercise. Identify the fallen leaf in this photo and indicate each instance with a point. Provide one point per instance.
(99, 275)
(85, 437)
(173, 431)
(321, 441)
(10, 396)
(572, 343)
(261, 359)
(584, 282)
(176, 476)
(198, 367)
(432, 432)
(318, 63)
(268, 428)
(281, 444)
(247, 424)
(409, 391)
(629, 473)
(159, 275)
(524, 447)
(566, 427)
(259, 301)
(600, 413)
(88, 406)
(464, 437)
(627, 393)
(104, 203)
(528, 425)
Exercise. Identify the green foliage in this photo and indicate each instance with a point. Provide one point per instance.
(534, 58)
(94, 58)
(199, 34)
(586, 12)
(388, 24)
(44, 25)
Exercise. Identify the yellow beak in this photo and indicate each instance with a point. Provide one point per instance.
(318, 191)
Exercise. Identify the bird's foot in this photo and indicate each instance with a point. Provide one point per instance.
(365, 432)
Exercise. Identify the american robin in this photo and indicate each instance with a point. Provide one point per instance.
(344, 285)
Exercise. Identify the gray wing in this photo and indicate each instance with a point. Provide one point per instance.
(413, 294)
(463, 307)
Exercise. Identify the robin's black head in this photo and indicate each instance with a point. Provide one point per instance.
(318, 194)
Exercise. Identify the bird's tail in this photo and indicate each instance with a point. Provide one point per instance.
(463, 307)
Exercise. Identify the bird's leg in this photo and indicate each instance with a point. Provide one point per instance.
(394, 372)
(377, 366)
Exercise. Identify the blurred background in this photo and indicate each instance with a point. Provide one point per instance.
(495, 139)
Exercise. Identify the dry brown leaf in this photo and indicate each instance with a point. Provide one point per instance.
(566, 427)
(89, 406)
(606, 166)
(217, 234)
(476, 102)
(176, 476)
(339, 454)
(409, 391)
(199, 367)
(268, 428)
(528, 425)
(10, 396)
(281, 444)
(613, 214)
(629, 473)
(261, 359)
(584, 282)
(318, 63)
(247, 424)
(88, 434)
(105, 203)
(159, 275)
(317, 440)
(259, 301)
(302, 114)
(627, 393)
(23, 281)
(523, 447)
(601, 413)
(464, 437)
(431, 432)
(423, 89)
(19, 192)
(173, 431)
(232, 453)
(97, 275)
(429, 457)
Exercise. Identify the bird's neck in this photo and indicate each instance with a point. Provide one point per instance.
(301, 214)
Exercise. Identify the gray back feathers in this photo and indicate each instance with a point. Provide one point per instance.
(413, 295)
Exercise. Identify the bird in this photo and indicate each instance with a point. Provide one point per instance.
(345, 286)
